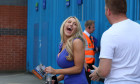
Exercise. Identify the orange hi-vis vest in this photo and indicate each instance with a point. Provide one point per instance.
(89, 53)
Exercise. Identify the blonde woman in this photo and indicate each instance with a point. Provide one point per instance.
(71, 54)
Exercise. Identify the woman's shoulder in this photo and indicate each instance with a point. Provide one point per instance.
(77, 41)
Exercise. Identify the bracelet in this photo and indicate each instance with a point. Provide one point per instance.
(98, 74)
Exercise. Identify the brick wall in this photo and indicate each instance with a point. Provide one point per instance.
(13, 30)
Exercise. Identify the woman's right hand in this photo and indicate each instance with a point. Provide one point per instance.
(50, 70)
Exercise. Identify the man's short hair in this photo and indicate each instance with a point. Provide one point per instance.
(89, 23)
(117, 6)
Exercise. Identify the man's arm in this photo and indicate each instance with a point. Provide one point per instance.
(104, 67)
(102, 71)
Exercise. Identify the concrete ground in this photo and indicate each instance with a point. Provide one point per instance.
(19, 78)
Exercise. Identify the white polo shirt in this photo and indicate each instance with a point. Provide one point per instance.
(121, 43)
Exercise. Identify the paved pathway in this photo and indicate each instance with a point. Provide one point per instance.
(19, 78)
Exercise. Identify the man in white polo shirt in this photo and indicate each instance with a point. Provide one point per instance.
(120, 47)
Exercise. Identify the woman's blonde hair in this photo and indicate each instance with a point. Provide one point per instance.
(78, 34)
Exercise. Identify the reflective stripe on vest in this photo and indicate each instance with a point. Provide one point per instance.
(90, 56)
(89, 53)
(89, 48)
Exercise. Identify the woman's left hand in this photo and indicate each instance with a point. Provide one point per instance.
(50, 70)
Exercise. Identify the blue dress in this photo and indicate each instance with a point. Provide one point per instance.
(64, 63)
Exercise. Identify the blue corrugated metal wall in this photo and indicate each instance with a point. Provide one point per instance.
(43, 34)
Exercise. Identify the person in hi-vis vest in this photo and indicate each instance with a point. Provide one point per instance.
(90, 48)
